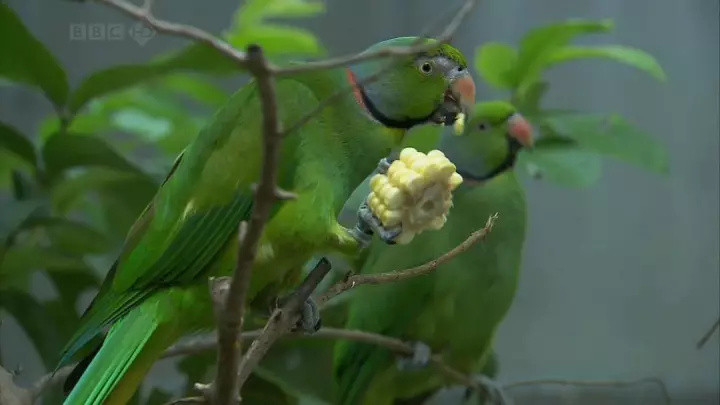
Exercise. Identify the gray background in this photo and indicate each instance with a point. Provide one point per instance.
(619, 280)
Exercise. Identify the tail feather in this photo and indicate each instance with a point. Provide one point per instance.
(355, 370)
(72, 379)
(126, 346)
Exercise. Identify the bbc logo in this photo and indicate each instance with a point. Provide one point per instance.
(111, 32)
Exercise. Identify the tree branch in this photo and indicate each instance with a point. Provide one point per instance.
(394, 276)
(225, 388)
(348, 60)
(708, 334)
(11, 394)
(144, 14)
(579, 383)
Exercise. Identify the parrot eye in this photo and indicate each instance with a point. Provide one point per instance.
(426, 68)
(483, 126)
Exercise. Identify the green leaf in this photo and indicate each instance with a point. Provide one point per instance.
(69, 236)
(528, 102)
(70, 286)
(563, 164)
(496, 62)
(68, 190)
(538, 44)
(250, 27)
(624, 54)
(197, 88)
(612, 136)
(23, 258)
(254, 11)
(26, 60)
(137, 121)
(35, 320)
(65, 151)
(13, 214)
(15, 142)
(194, 58)
(277, 39)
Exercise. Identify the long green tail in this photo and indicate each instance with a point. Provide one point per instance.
(131, 347)
(356, 369)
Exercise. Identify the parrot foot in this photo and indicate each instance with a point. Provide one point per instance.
(494, 393)
(368, 224)
(310, 321)
(419, 359)
(384, 165)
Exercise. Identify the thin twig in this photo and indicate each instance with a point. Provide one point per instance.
(400, 347)
(393, 344)
(708, 334)
(226, 385)
(181, 30)
(50, 380)
(348, 60)
(580, 383)
(394, 276)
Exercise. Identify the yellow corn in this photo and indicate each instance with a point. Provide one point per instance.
(416, 192)
(459, 124)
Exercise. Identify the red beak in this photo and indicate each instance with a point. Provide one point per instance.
(463, 88)
(520, 129)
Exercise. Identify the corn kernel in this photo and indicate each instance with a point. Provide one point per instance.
(438, 222)
(407, 152)
(391, 218)
(395, 166)
(459, 124)
(435, 154)
(394, 198)
(455, 180)
(377, 181)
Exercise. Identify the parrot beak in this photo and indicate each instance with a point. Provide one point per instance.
(459, 98)
(462, 90)
(519, 129)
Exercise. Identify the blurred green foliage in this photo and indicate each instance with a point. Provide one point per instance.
(70, 191)
(571, 144)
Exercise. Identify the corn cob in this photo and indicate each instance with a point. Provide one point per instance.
(415, 193)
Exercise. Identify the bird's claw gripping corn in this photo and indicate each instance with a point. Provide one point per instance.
(415, 193)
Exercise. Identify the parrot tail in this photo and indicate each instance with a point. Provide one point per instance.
(117, 368)
(356, 368)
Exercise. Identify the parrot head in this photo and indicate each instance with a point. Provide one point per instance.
(489, 141)
(434, 86)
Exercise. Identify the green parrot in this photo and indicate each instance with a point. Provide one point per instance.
(156, 291)
(456, 309)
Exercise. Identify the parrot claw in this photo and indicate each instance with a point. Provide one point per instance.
(384, 165)
(419, 359)
(310, 321)
(494, 394)
(368, 224)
